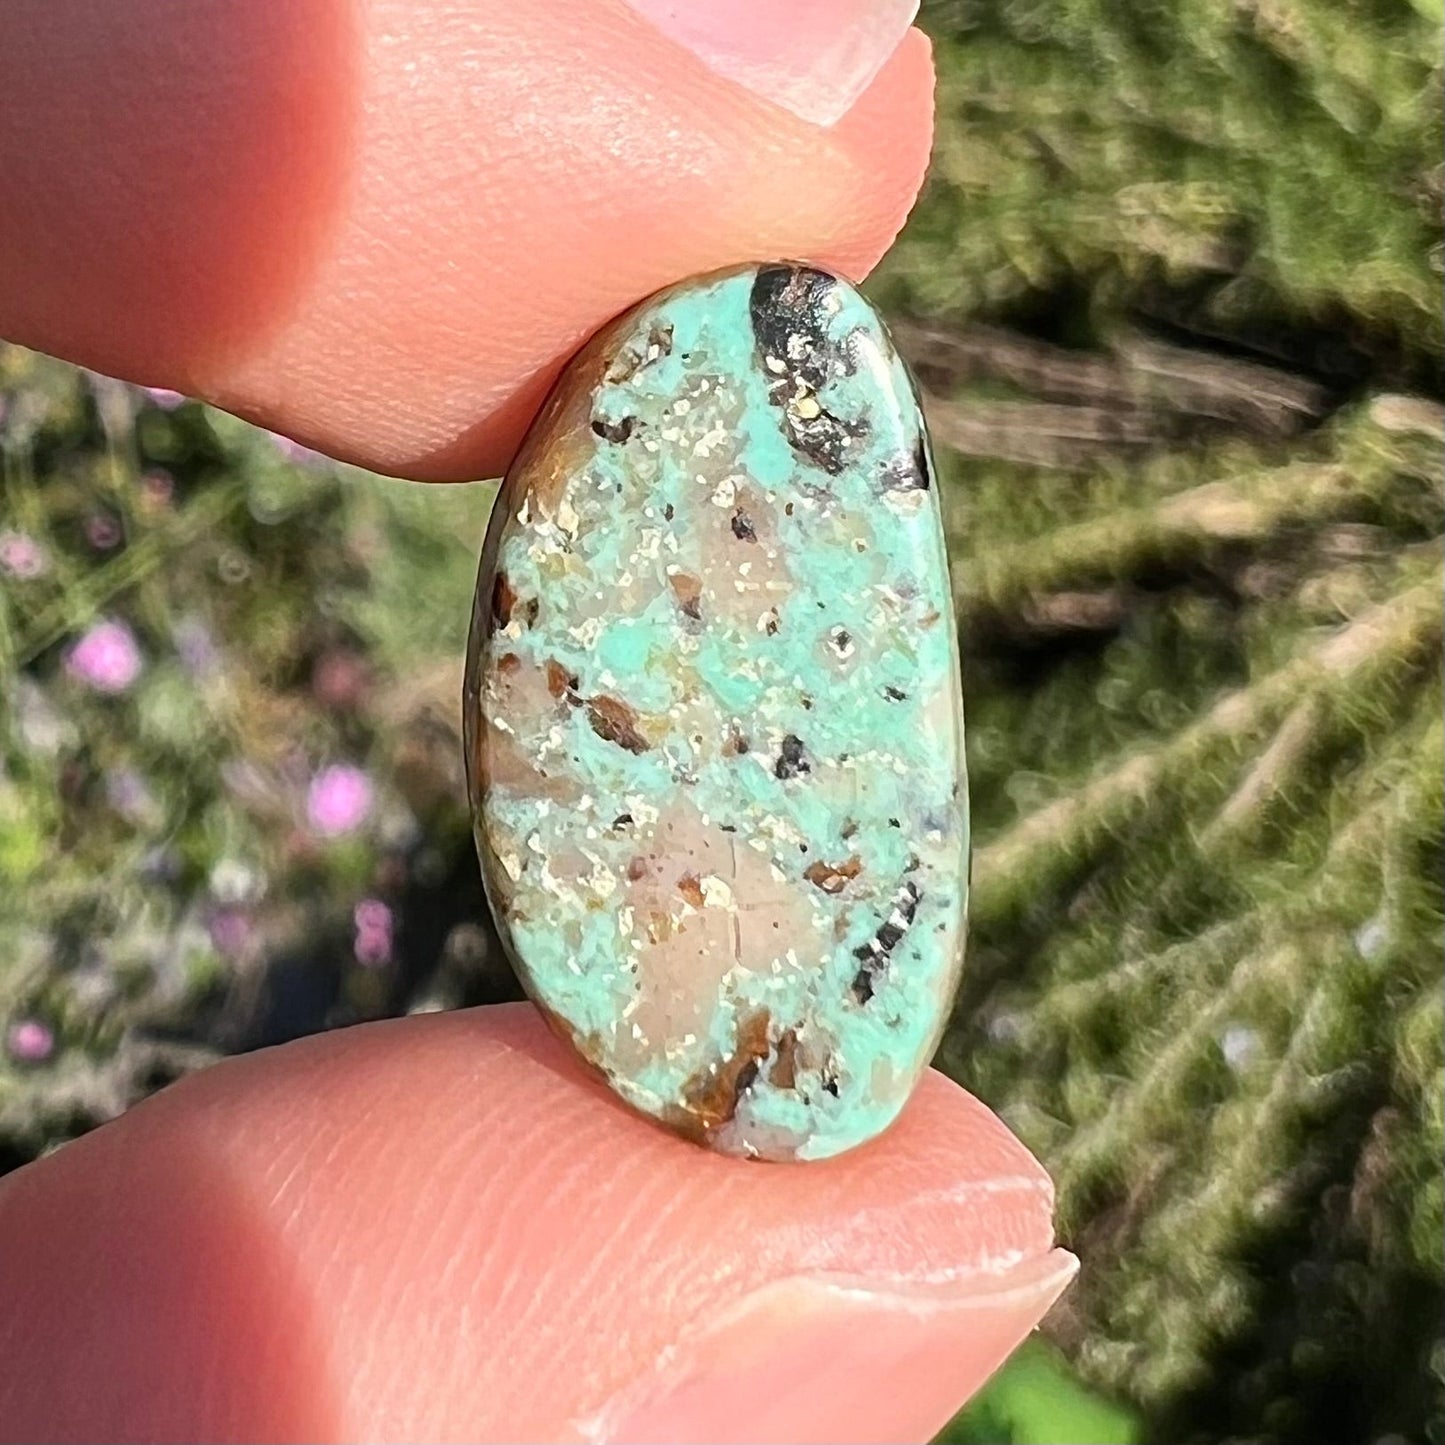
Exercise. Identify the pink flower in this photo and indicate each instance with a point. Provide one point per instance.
(22, 556)
(30, 1041)
(102, 531)
(196, 645)
(166, 400)
(338, 800)
(230, 931)
(107, 657)
(157, 488)
(373, 932)
(293, 451)
(340, 680)
(127, 793)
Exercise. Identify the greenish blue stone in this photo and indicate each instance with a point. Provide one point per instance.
(714, 733)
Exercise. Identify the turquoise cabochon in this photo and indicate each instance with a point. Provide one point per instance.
(714, 726)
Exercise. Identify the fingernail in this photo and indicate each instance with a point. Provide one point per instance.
(814, 57)
(810, 1359)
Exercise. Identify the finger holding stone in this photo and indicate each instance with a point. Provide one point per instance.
(382, 226)
(435, 1229)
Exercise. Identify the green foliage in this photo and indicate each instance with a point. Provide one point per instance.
(1175, 267)
(1204, 971)
(1285, 150)
(1035, 1400)
(158, 857)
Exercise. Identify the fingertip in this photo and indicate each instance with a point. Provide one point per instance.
(831, 1361)
(438, 1229)
(890, 130)
(382, 227)
(843, 214)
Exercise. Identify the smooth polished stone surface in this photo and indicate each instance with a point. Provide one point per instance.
(715, 740)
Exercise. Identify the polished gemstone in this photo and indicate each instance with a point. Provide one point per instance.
(715, 739)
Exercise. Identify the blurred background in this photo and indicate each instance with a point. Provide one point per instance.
(1174, 298)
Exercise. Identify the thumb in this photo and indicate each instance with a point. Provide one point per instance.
(382, 225)
(436, 1229)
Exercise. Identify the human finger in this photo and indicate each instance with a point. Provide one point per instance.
(380, 226)
(438, 1229)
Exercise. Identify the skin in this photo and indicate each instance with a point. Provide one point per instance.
(381, 226)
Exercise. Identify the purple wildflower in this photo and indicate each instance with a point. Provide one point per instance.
(294, 452)
(373, 922)
(338, 800)
(22, 556)
(126, 791)
(163, 398)
(107, 657)
(157, 488)
(340, 680)
(30, 1041)
(231, 932)
(102, 531)
(196, 646)
(160, 865)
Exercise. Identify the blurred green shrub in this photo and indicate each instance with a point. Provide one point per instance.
(228, 764)
(1174, 290)
(1035, 1400)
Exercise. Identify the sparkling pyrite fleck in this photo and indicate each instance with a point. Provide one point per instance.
(714, 733)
